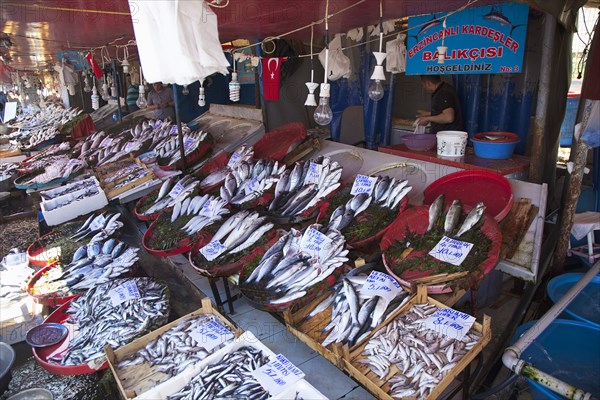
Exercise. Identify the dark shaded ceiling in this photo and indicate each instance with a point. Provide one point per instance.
(40, 28)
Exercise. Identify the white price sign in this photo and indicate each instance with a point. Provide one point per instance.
(277, 375)
(251, 186)
(124, 292)
(208, 208)
(314, 173)
(211, 334)
(451, 250)
(173, 130)
(188, 142)
(97, 223)
(176, 191)
(363, 184)
(234, 160)
(212, 250)
(449, 322)
(315, 243)
(382, 285)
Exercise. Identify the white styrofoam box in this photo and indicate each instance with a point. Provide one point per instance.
(301, 389)
(14, 327)
(62, 190)
(55, 215)
(175, 384)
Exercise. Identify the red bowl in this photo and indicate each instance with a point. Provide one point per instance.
(50, 299)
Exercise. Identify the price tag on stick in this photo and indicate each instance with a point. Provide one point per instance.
(451, 250)
(363, 184)
(124, 292)
(449, 322)
(213, 250)
(278, 375)
(382, 285)
(234, 160)
(314, 173)
(211, 334)
(315, 243)
(177, 189)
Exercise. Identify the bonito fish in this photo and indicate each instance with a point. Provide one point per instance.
(249, 180)
(244, 153)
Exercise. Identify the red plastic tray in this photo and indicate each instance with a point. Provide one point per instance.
(37, 248)
(416, 220)
(42, 354)
(191, 158)
(51, 299)
(184, 245)
(471, 187)
(276, 144)
(150, 217)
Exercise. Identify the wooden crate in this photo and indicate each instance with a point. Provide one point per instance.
(145, 376)
(379, 388)
(103, 172)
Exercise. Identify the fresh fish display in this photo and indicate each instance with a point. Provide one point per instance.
(61, 167)
(435, 210)
(452, 216)
(132, 168)
(241, 231)
(68, 199)
(249, 181)
(169, 148)
(40, 160)
(354, 315)
(422, 356)
(100, 323)
(101, 226)
(472, 219)
(53, 115)
(286, 270)
(171, 193)
(7, 170)
(229, 378)
(41, 135)
(205, 210)
(71, 188)
(241, 154)
(305, 185)
(173, 351)
(92, 265)
(387, 193)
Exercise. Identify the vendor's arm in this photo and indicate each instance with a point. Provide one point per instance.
(423, 113)
(445, 117)
(151, 104)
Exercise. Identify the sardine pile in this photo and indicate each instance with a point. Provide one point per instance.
(353, 315)
(286, 271)
(70, 188)
(100, 323)
(422, 356)
(453, 216)
(297, 191)
(241, 231)
(55, 168)
(250, 180)
(204, 210)
(102, 226)
(70, 198)
(241, 154)
(229, 378)
(169, 148)
(92, 265)
(173, 351)
(171, 193)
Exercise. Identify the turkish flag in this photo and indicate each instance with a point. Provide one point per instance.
(271, 74)
(94, 65)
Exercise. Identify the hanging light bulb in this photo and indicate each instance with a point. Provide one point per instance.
(311, 86)
(323, 114)
(86, 82)
(113, 91)
(201, 97)
(234, 87)
(376, 91)
(185, 91)
(442, 50)
(141, 100)
(95, 98)
(125, 65)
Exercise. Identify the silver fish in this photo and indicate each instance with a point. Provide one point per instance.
(435, 210)
(452, 216)
(472, 219)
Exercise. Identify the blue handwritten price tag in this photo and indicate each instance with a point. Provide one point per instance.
(314, 173)
(124, 292)
(277, 375)
(451, 250)
(363, 184)
(234, 160)
(213, 250)
(97, 223)
(211, 334)
(128, 147)
(188, 142)
(176, 191)
(315, 243)
(252, 185)
(173, 130)
(382, 285)
(208, 208)
(449, 322)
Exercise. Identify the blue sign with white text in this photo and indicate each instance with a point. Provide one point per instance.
(482, 40)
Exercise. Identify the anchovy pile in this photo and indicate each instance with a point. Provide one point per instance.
(169, 148)
(353, 315)
(55, 168)
(100, 323)
(248, 181)
(102, 226)
(453, 216)
(204, 210)
(170, 194)
(298, 189)
(92, 265)
(229, 378)
(422, 356)
(241, 231)
(287, 271)
(68, 199)
(241, 154)
(173, 351)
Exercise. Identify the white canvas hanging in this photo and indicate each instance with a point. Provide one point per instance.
(339, 64)
(396, 55)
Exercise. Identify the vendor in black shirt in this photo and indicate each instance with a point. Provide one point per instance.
(445, 112)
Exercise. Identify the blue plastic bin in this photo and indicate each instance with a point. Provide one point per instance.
(586, 306)
(568, 125)
(568, 350)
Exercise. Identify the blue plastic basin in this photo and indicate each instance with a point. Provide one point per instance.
(568, 350)
(586, 306)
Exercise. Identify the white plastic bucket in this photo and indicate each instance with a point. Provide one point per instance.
(451, 143)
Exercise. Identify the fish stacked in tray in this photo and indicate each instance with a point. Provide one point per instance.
(55, 168)
(99, 322)
(100, 226)
(250, 180)
(168, 148)
(413, 359)
(241, 231)
(243, 153)
(168, 195)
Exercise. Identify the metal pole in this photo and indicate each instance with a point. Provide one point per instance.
(116, 79)
(179, 131)
(541, 108)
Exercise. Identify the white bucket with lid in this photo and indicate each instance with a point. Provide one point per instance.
(451, 143)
